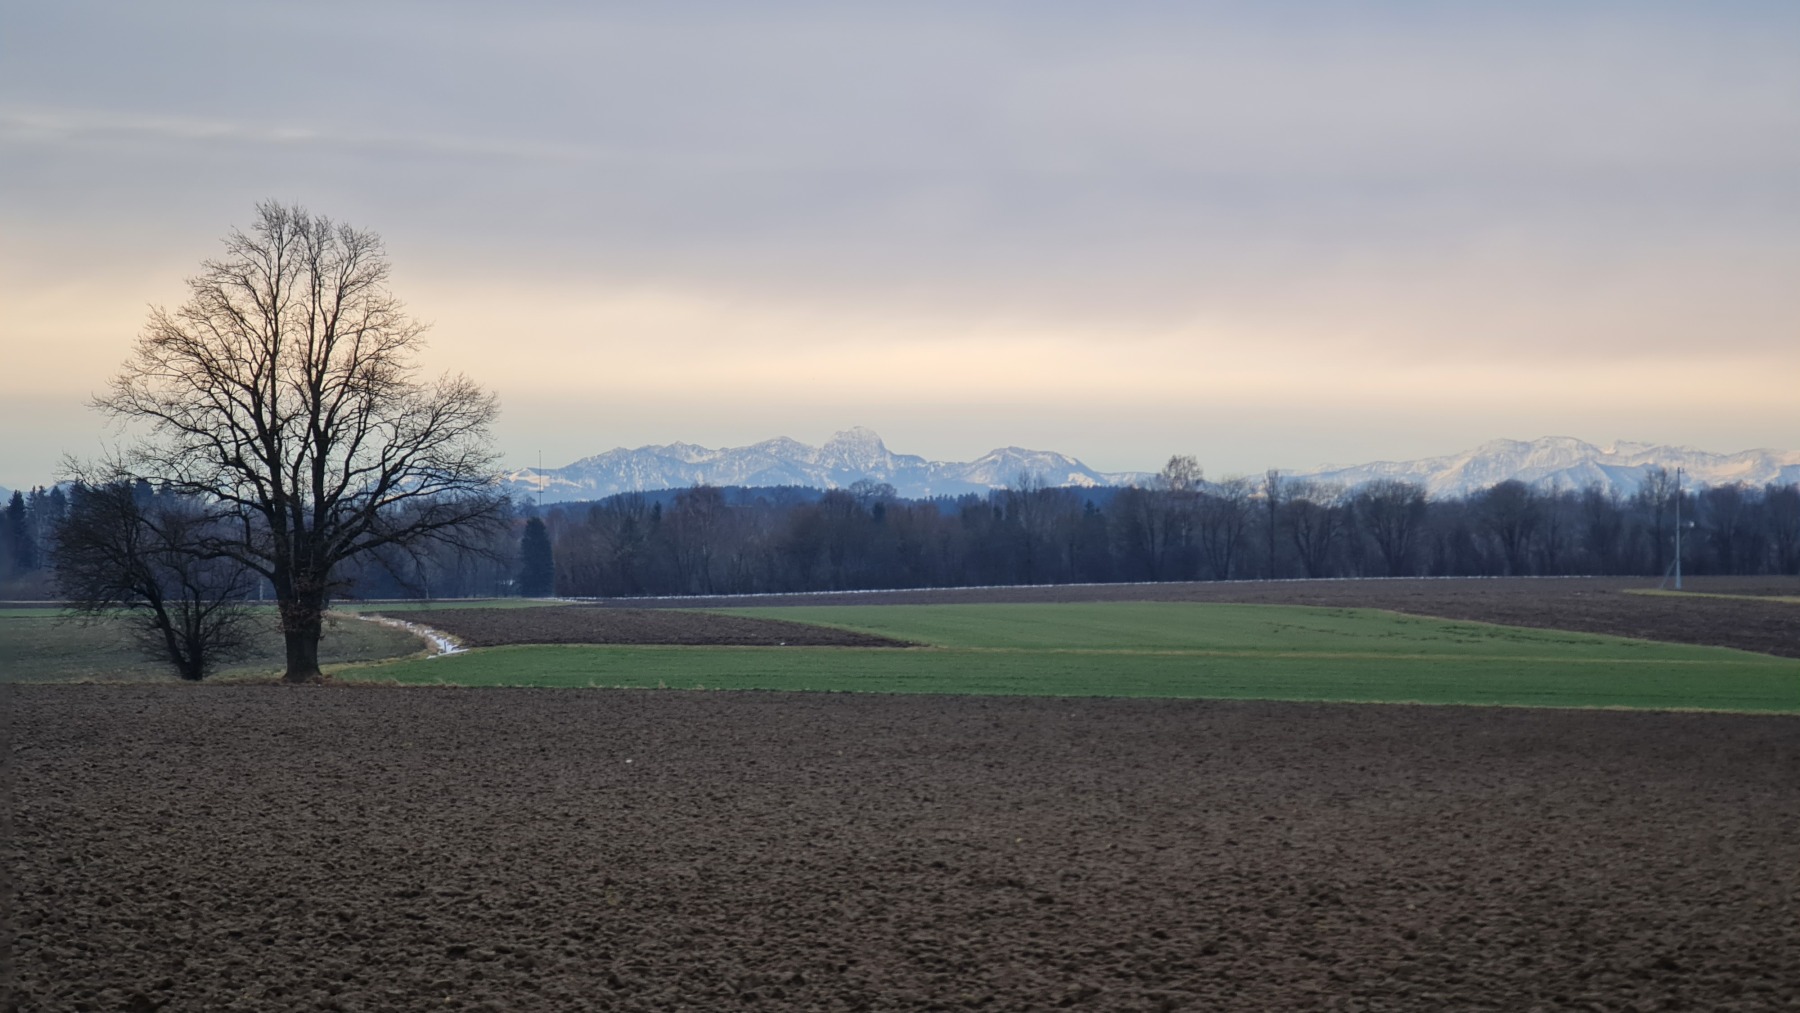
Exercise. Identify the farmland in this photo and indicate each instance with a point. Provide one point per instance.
(526, 849)
(1030, 801)
(1753, 614)
(1730, 646)
(38, 645)
(1166, 649)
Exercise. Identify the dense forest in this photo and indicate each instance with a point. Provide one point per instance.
(709, 540)
(27, 529)
(733, 541)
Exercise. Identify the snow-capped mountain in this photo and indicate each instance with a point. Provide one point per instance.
(857, 454)
(1558, 462)
(848, 457)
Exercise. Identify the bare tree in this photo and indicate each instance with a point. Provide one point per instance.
(1042, 512)
(1315, 517)
(1783, 505)
(284, 395)
(1143, 531)
(1224, 515)
(125, 552)
(1182, 474)
(1179, 484)
(1272, 498)
(1603, 527)
(1511, 511)
(698, 523)
(1657, 496)
(1392, 512)
(1731, 525)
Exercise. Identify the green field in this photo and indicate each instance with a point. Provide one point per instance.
(1160, 649)
(37, 645)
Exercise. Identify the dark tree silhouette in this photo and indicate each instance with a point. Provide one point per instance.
(1782, 509)
(1510, 511)
(1657, 497)
(1315, 519)
(1272, 499)
(1392, 512)
(23, 546)
(284, 396)
(537, 573)
(144, 559)
(1223, 518)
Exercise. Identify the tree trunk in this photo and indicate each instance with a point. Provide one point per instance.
(302, 623)
(303, 656)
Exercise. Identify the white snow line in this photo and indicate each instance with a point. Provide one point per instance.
(441, 643)
(873, 591)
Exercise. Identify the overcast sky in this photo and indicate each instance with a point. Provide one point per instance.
(1270, 234)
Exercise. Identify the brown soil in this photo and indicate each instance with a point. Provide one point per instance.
(1583, 604)
(260, 848)
(552, 625)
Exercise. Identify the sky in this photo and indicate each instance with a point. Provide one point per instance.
(1271, 234)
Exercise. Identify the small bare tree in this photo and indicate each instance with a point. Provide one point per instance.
(127, 553)
(284, 396)
(1273, 497)
(1656, 496)
(1224, 516)
(1315, 518)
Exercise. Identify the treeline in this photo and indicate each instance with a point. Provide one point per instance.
(713, 541)
(28, 525)
(708, 540)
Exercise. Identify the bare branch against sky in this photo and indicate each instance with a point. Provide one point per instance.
(1264, 234)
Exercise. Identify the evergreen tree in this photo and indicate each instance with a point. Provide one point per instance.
(23, 546)
(537, 574)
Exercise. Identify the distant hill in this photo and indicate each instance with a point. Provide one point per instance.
(859, 454)
(1558, 462)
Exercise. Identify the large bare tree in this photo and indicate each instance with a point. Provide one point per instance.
(285, 395)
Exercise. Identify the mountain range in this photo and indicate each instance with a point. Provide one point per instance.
(859, 454)
(1558, 462)
(850, 456)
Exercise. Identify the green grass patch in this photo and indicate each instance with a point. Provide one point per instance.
(1164, 649)
(43, 647)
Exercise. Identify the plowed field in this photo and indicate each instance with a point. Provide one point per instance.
(1610, 605)
(260, 848)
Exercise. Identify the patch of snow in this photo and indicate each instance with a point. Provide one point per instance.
(441, 643)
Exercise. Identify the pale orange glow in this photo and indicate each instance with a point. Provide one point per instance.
(725, 366)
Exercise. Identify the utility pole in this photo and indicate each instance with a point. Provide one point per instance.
(1677, 529)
